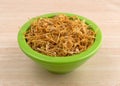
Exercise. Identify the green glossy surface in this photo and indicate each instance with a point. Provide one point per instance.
(59, 64)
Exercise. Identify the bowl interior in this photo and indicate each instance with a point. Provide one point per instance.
(33, 54)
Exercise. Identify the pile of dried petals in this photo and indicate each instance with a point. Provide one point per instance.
(60, 35)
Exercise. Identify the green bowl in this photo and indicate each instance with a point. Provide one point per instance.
(59, 64)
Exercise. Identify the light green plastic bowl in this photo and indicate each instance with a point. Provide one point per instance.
(59, 64)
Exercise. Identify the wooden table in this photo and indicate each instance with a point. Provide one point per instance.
(16, 69)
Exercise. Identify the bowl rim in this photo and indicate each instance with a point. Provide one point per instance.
(44, 58)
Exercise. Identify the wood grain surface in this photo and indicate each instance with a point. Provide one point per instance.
(16, 69)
